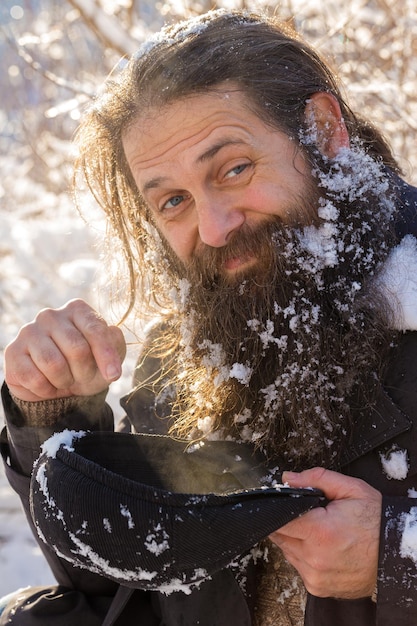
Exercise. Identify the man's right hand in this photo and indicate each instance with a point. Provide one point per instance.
(64, 352)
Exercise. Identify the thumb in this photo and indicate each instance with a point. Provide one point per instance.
(334, 485)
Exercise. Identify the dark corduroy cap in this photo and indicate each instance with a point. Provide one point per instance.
(152, 513)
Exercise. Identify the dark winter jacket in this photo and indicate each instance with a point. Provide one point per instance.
(86, 598)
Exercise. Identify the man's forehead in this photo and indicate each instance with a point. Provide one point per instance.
(185, 124)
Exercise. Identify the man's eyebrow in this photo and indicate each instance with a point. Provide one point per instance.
(154, 183)
(211, 152)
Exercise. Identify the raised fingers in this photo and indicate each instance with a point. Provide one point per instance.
(63, 352)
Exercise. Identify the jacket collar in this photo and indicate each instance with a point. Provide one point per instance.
(379, 424)
(376, 426)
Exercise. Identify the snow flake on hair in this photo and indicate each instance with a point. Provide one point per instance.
(354, 174)
(176, 33)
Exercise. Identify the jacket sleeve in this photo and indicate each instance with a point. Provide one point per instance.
(20, 446)
(397, 575)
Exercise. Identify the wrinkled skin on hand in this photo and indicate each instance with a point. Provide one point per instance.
(335, 548)
(70, 351)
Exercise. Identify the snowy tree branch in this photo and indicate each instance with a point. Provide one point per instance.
(106, 27)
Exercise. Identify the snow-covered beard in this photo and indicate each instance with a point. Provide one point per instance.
(287, 355)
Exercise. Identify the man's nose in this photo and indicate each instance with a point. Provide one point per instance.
(217, 221)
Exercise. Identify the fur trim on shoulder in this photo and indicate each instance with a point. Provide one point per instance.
(397, 281)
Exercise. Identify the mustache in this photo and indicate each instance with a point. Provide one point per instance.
(260, 242)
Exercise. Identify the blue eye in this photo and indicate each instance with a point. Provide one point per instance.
(173, 202)
(235, 171)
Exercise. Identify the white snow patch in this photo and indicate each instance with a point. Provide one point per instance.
(398, 282)
(205, 424)
(200, 575)
(408, 547)
(241, 372)
(103, 565)
(157, 541)
(321, 242)
(395, 464)
(127, 514)
(43, 485)
(65, 438)
(107, 525)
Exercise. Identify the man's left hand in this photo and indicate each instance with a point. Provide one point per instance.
(334, 548)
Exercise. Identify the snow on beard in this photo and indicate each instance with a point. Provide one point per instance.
(280, 356)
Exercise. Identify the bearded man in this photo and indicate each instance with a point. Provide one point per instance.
(267, 231)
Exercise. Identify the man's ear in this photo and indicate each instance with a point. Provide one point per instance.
(323, 115)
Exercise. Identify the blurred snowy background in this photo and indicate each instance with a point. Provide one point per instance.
(54, 55)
